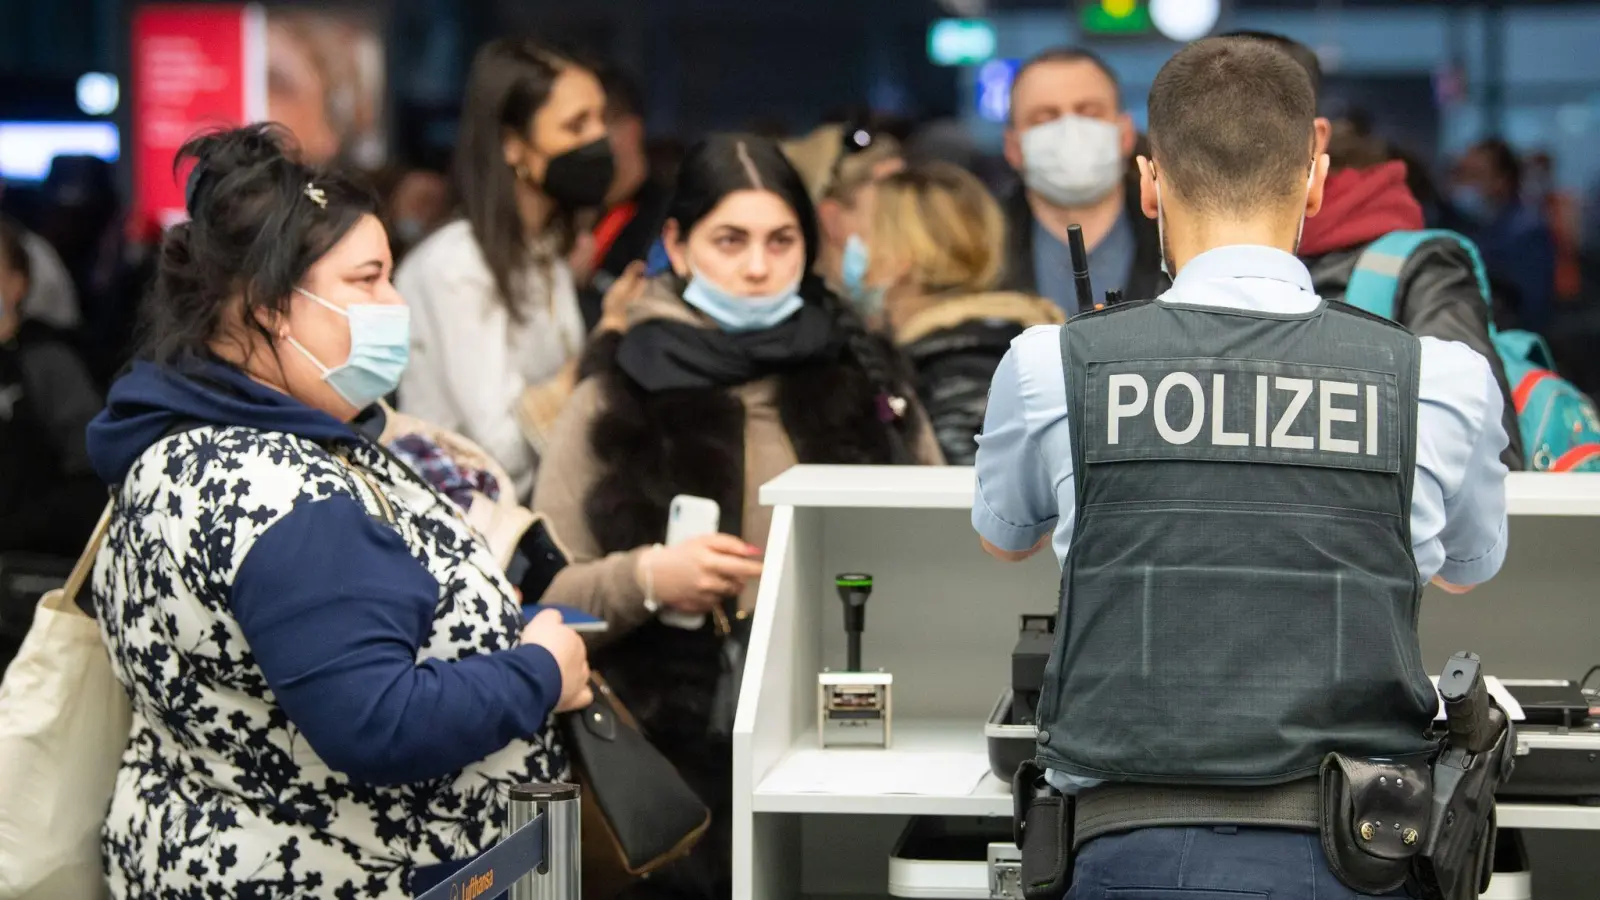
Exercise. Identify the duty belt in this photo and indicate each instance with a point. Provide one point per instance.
(1111, 808)
(1425, 820)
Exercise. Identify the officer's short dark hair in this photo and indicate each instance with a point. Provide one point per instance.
(1231, 124)
(1305, 56)
(1070, 55)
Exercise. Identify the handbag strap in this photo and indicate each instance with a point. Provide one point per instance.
(85, 564)
(379, 508)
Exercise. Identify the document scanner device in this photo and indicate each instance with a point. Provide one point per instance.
(854, 707)
(1558, 743)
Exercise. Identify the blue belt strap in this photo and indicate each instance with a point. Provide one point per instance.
(497, 868)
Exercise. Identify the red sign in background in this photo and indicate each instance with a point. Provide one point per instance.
(195, 67)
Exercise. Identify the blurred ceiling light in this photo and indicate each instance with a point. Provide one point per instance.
(1185, 20)
(994, 89)
(960, 42)
(98, 93)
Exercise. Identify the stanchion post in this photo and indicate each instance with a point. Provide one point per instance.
(560, 878)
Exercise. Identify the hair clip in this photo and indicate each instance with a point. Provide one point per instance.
(316, 194)
(891, 408)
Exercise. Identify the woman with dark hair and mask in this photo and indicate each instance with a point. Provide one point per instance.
(497, 313)
(333, 687)
(735, 366)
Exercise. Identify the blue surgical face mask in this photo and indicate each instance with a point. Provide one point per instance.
(853, 274)
(853, 264)
(1470, 202)
(380, 346)
(410, 231)
(736, 314)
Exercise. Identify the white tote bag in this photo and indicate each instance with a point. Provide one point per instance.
(64, 722)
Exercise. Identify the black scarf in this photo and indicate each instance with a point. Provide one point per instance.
(664, 354)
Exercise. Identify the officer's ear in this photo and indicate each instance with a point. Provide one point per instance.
(1149, 200)
(1323, 130)
(1319, 179)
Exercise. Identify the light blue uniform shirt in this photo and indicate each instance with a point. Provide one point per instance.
(1458, 502)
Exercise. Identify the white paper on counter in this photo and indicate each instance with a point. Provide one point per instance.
(867, 771)
(1497, 691)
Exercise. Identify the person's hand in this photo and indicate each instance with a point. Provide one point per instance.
(1449, 588)
(547, 631)
(628, 288)
(694, 576)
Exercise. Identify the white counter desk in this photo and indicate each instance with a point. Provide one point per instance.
(943, 619)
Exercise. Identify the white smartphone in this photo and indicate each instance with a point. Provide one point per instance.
(689, 517)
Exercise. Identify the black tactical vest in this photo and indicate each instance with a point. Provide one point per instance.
(1240, 598)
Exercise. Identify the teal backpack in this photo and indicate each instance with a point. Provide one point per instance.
(1560, 426)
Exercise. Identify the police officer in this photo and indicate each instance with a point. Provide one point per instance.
(1248, 488)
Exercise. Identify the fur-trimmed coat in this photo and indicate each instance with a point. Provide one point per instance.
(955, 345)
(619, 455)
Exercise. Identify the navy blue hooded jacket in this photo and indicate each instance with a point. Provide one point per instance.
(333, 604)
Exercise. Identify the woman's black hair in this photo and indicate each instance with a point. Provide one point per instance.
(723, 164)
(511, 80)
(258, 221)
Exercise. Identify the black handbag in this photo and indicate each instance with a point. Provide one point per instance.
(733, 629)
(638, 813)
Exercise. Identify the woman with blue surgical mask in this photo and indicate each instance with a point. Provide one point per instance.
(275, 585)
(937, 248)
(737, 364)
(842, 165)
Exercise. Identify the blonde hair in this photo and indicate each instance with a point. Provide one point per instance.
(832, 174)
(939, 221)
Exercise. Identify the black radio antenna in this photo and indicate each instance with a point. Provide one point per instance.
(1080, 268)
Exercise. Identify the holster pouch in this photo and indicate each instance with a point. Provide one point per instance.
(1042, 823)
(1375, 819)
(1457, 858)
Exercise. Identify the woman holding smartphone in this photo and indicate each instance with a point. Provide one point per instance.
(712, 391)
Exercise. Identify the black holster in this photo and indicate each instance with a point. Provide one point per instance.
(1428, 824)
(1042, 822)
(1457, 858)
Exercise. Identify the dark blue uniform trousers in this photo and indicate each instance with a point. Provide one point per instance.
(1206, 864)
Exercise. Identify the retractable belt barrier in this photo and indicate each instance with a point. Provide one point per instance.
(539, 859)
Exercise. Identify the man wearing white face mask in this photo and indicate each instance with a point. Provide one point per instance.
(1070, 140)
